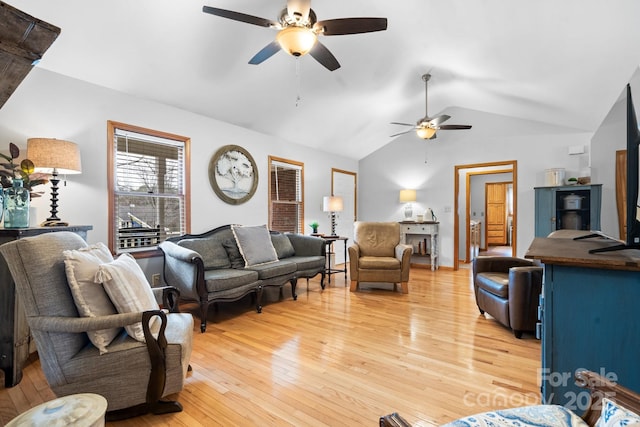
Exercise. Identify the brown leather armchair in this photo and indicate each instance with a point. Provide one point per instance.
(508, 289)
(377, 255)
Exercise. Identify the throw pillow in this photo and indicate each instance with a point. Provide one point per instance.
(212, 252)
(233, 253)
(91, 300)
(614, 415)
(283, 246)
(128, 289)
(255, 244)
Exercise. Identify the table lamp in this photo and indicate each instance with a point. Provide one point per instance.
(332, 204)
(408, 197)
(54, 156)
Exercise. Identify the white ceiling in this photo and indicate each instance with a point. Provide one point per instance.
(561, 62)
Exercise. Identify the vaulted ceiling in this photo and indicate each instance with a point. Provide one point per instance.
(562, 63)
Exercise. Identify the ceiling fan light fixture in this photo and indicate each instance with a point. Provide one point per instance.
(296, 40)
(425, 132)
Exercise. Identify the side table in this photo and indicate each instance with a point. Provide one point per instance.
(15, 336)
(330, 250)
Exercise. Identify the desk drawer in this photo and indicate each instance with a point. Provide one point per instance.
(419, 229)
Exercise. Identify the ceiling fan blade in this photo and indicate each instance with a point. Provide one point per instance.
(454, 127)
(435, 121)
(267, 52)
(242, 17)
(401, 133)
(336, 27)
(298, 10)
(323, 56)
(402, 124)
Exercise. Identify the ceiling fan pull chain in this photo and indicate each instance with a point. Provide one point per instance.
(298, 85)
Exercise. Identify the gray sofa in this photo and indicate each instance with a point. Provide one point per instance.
(210, 268)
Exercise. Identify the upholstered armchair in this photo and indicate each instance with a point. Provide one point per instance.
(376, 255)
(508, 289)
(132, 374)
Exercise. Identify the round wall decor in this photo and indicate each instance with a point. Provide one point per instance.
(233, 174)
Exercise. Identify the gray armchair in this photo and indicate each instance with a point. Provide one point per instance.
(378, 256)
(133, 376)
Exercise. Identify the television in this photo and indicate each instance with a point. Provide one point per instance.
(632, 215)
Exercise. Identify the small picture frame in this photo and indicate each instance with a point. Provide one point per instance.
(233, 174)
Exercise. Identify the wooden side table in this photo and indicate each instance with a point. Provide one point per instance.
(328, 241)
(15, 336)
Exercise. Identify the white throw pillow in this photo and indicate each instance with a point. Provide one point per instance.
(126, 285)
(614, 415)
(255, 244)
(91, 300)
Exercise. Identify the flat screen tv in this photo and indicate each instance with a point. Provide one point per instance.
(632, 216)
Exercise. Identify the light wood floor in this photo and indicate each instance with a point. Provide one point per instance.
(337, 358)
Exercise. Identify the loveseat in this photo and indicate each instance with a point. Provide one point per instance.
(232, 261)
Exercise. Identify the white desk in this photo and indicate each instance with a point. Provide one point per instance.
(423, 237)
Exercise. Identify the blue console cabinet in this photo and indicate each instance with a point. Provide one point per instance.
(555, 212)
(588, 315)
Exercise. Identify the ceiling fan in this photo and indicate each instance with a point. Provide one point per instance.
(426, 127)
(298, 31)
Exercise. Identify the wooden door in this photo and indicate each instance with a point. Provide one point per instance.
(496, 200)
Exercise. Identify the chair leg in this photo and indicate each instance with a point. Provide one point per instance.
(354, 286)
(405, 287)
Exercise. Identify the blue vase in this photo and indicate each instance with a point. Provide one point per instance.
(16, 205)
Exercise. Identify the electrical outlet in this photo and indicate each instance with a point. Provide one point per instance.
(155, 279)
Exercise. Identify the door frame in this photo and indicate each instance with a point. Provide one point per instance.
(477, 168)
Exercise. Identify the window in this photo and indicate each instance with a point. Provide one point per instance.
(286, 195)
(148, 180)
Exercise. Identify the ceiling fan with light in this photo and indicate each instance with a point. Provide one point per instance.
(298, 31)
(427, 126)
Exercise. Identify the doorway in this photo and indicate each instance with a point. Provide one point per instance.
(463, 194)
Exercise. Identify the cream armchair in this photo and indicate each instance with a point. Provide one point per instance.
(377, 255)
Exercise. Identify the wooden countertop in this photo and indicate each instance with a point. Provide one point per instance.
(561, 249)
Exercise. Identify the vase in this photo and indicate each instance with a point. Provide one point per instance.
(16, 205)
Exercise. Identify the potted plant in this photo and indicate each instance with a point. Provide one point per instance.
(314, 227)
(572, 181)
(24, 171)
(17, 188)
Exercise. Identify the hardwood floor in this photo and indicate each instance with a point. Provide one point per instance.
(335, 357)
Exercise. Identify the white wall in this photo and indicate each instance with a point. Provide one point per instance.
(401, 164)
(612, 136)
(50, 105)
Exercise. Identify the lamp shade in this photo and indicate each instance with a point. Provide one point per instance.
(332, 204)
(296, 41)
(48, 154)
(426, 132)
(407, 196)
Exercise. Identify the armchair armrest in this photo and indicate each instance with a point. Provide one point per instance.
(393, 420)
(525, 285)
(83, 324)
(498, 264)
(403, 252)
(354, 261)
(170, 297)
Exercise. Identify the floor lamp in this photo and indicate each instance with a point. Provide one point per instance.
(54, 156)
(332, 204)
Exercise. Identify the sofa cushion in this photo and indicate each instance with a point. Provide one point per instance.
(379, 263)
(283, 246)
(308, 262)
(225, 279)
(274, 269)
(212, 252)
(129, 290)
(494, 283)
(255, 244)
(91, 300)
(233, 252)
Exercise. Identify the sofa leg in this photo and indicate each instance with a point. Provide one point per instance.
(204, 308)
(481, 310)
(294, 282)
(354, 286)
(518, 334)
(322, 285)
(405, 287)
(259, 299)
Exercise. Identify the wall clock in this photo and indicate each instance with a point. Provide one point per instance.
(233, 174)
